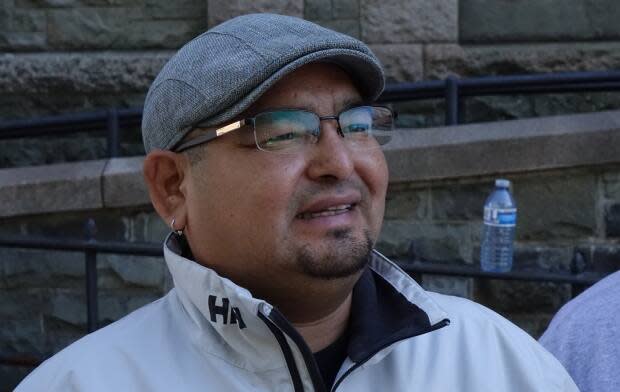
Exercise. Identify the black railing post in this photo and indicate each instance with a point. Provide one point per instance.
(92, 307)
(452, 100)
(114, 142)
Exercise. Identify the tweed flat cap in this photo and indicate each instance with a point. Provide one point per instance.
(220, 73)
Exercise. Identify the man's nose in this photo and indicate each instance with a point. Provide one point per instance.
(330, 156)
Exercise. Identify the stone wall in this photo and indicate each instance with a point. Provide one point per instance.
(566, 176)
(59, 56)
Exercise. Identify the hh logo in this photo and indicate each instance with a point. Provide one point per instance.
(229, 313)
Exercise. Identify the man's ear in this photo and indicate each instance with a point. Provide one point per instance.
(164, 173)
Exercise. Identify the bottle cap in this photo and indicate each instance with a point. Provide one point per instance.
(502, 183)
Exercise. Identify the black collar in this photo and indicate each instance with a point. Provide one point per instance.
(380, 316)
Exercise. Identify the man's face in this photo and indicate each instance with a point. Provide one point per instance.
(262, 218)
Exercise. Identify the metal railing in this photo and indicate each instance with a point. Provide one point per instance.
(453, 90)
(578, 278)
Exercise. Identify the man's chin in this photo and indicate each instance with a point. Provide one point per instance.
(341, 256)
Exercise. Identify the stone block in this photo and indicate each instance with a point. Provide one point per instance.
(407, 204)
(145, 227)
(117, 28)
(133, 271)
(15, 106)
(22, 336)
(600, 257)
(60, 334)
(28, 21)
(547, 257)
(109, 224)
(567, 103)
(52, 188)
(606, 258)
(526, 297)
(401, 62)
(500, 108)
(52, 150)
(349, 27)
(46, 3)
(559, 206)
(184, 9)
(345, 9)
(459, 201)
(442, 60)
(91, 27)
(404, 21)
(10, 41)
(117, 304)
(484, 21)
(163, 34)
(76, 3)
(24, 303)
(612, 220)
(318, 9)
(611, 182)
(220, 11)
(419, 114)
(30, 268)
(431, 242)
(68, 306)
(71, 73)
(6, 14)
(123, 183)
(449, 285)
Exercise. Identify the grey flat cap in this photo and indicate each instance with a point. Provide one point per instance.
(220, 73)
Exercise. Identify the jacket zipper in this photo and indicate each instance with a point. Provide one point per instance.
(279, 326)
(435, 327)
(278, 321)
(288, 353)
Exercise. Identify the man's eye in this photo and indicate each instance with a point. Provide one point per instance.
(357, 128)
(281, 138)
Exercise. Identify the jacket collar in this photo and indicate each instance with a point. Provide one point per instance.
(387, 306)
(224, 316)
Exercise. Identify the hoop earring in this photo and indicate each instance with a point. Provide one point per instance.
(178, 232)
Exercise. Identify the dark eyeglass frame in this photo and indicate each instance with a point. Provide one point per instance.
(211, 134)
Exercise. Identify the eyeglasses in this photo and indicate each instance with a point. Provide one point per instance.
(290, 130)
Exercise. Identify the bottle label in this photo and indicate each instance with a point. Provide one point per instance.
(504, 217)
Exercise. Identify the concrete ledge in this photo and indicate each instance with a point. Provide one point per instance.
(414, 155)
(504, 147)
(51, 188)
(123, 183)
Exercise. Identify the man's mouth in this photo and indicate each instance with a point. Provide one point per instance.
(331, 211)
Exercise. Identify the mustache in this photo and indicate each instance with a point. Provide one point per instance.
(313, 190)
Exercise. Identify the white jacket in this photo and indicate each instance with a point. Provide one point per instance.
(208, 334)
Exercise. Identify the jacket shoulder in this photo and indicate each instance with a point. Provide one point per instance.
(86, 363)
(497, 340)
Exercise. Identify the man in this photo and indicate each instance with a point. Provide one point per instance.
(264, 155)
(585, 337)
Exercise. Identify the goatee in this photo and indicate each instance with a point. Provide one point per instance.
(346, 257)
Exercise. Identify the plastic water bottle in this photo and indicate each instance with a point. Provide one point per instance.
(500, 218)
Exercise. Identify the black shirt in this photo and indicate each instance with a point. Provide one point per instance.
(331, 358)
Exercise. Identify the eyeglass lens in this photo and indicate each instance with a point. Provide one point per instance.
(362, 127)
